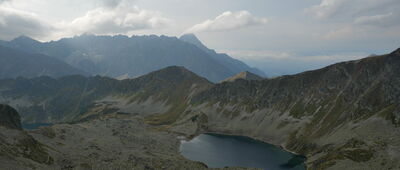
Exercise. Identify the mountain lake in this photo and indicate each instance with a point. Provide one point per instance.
(219, 151)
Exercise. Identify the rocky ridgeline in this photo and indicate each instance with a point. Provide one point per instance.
(346, 111)
(72, 98)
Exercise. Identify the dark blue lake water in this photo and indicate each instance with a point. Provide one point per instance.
(34, 125)
(218, 151)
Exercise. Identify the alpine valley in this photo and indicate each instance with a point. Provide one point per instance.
(129, 107)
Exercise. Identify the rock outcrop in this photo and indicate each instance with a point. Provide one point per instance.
(9, 117)
(18, 149)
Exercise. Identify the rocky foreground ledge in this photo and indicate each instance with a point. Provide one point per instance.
(111, 142)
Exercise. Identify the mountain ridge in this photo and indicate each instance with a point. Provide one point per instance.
(71, 98)
(133, 56)
(15, 63)
(235, 65)
(343, 115)
(319, 113)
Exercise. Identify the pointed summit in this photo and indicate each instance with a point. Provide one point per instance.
(192, 39)
(243, 75)
(26, 44)
(176, 74)
(24, 39)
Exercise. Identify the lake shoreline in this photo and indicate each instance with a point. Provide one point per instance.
(254, 138)
(188, 138)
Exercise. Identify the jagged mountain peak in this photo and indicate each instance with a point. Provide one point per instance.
(136, 55)
(246, 75)
(23, 39)
(192, 39)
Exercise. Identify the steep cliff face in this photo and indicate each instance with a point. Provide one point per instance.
(344, 113)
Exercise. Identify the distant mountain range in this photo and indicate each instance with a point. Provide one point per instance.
(15, 63)
(127, 57)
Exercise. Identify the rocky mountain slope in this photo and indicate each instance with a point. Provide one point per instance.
(236, 66)
(344, 116)
(113, 141)
(122, 56)
(18, 149)
(15, 63)
(72, 98)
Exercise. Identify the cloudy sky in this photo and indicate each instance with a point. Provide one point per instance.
(278, 36)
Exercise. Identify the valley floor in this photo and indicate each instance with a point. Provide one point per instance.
(112, 142)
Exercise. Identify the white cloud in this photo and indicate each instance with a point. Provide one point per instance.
(228, 21)
(111, 3)
(326, 8)
(329, 9)
(383, 20)
(121, 19)
(356, 19)
(341, 33)
(111, 17)
(14, 23)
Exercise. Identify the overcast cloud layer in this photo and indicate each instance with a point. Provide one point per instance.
(228, 21)
(261, 32)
